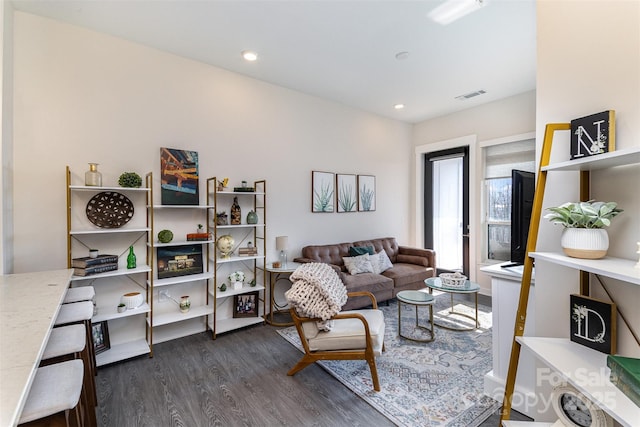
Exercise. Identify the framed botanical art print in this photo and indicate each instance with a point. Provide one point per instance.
(346, 190)
(593, 323)
(366, 193)
(322, 191)
(593, 135)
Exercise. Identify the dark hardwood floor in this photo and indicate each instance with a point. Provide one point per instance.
(239, 379)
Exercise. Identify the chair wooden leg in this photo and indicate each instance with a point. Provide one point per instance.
(374, 373)
(303, 363)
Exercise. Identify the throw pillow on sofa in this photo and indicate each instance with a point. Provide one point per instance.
(358, 264)
(361, 250)
(380, 262)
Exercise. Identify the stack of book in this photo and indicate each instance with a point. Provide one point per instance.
(247, 251)
(198, 237)
(625, 374)
(87, 266)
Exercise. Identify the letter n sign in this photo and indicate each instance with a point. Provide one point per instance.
(592, 135)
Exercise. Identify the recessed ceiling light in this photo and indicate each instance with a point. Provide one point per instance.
(398, 106)
(402, 55)
(452, 10)
(249, 55)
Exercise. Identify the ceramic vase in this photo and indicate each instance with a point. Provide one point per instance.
(185, 304)
(585, 243)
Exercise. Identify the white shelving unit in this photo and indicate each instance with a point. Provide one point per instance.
(181, 220)
(223, 319)
(573, 361)
(128, 334)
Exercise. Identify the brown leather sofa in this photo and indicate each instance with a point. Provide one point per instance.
(411, 266)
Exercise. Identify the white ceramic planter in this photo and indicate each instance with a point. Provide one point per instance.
(585, 243)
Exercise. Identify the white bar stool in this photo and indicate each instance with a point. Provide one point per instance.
(67, 343)
(55, 396)
(80, 312)
(81, 293)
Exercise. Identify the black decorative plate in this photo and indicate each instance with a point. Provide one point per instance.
(109, 209)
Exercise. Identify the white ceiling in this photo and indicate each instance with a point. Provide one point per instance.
(338, 50)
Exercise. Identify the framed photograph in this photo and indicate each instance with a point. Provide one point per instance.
(347, 193)
(366, 193)
(174, 261)
(322, 191)
(245, 305)
(100, 333)
(593, 323)
(593, 135)
(179, 177)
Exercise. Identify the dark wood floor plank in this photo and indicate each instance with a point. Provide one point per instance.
(239, 379)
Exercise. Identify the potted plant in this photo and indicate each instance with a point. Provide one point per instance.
(584, 235)
(236, 279)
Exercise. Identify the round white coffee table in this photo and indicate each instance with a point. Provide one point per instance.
(416, 299)
(468, 288)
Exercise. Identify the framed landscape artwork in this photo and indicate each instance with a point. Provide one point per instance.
(174, 261)
(347, 193)
(179, 177)
(366, 193)
(322, 191)
(593, 323)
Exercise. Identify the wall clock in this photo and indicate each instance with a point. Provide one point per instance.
(577, 410)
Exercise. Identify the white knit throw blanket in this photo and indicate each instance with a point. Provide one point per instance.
(317, 291)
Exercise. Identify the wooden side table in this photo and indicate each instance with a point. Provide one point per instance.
(275, 275)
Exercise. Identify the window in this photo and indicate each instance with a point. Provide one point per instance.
(499, 160)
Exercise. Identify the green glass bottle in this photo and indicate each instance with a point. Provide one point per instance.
(131, 258)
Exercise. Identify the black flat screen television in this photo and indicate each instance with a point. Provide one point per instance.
(523, 187)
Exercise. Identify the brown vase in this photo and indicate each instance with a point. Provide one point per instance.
(236, 215)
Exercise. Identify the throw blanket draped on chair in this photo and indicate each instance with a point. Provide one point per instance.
(317, 292)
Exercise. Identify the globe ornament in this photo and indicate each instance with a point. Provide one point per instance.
(225, 245)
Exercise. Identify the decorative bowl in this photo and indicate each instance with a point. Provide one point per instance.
(453, 280)
(132, 300)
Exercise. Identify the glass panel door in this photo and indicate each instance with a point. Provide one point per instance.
(447, 208)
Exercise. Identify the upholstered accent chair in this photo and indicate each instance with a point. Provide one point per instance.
(354, 335)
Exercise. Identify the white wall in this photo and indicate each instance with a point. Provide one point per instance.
(585, 69)
(82, 96)
(589, 66)
(6, 127)
(499, 119)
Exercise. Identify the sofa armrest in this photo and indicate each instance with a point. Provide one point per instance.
(424, 257)
(303, 260)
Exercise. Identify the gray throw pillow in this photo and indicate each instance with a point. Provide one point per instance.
(358, 264)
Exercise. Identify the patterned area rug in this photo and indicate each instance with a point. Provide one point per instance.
(424, 384)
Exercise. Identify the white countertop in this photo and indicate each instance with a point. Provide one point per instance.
(509, 273)
(30, 304)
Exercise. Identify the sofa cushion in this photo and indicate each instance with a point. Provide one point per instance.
(380, 262)
(348, 334)
(358, 264)
(361, 250)
(330, 254)
(388, 244)
(413, 259)
(403, 274)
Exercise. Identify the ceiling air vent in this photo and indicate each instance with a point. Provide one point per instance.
(471, 94)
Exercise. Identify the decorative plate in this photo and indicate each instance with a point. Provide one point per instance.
(109, 209)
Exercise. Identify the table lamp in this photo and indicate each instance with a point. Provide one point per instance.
(281, 245)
